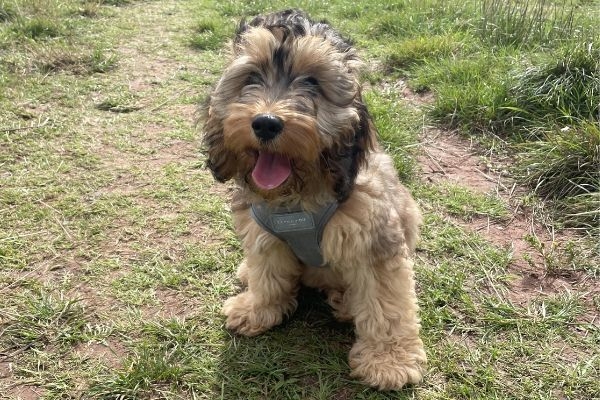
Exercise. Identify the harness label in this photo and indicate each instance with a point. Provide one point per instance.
(298, 221)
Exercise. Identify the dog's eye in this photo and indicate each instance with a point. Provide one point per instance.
(310, 81)
(254, 79)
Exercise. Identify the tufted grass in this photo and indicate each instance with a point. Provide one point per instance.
(525, 72)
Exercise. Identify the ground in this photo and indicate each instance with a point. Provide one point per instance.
(117, 250)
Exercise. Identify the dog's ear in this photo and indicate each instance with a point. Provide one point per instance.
(343, 162)
(239, 32)
(221, 162)
(365, 135)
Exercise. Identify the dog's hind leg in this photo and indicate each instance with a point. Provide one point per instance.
(273, 279)
(329, 282)
(242, 273)
(388, 352)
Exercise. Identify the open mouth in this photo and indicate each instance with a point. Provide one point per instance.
(271, 170)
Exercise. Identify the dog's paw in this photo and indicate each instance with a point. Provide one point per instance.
(387, 367)
(247, 319)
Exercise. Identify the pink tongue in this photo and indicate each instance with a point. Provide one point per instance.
(271, 170)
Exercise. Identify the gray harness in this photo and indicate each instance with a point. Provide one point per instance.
(300, 229)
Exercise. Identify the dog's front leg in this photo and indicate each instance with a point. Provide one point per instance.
(272, 275)
(388, 352)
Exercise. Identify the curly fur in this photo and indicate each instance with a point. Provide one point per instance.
(306, 74)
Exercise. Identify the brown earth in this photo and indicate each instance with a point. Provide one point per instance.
(448, 157)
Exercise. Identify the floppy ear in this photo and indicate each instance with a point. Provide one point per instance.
(365, 135)
(239, 32)
(344, 161)
(221, 162)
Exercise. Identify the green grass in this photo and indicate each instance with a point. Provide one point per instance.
(530, 72)
(528, 23)
(565, 163)
(564, 167)
(117, 248)
(458, 201)
(563, 90)
(397, 128)
(211, 33)
(426, 48)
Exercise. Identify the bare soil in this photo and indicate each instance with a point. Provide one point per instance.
(448, 157)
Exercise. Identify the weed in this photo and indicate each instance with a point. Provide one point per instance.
(581, 212)
(121, 103)
(565, 166)
(10, 250)
(562, 258)
(110, 2)
(99, 61)
(564, 163)
(7, 12)
(64, 59)
(43, 319)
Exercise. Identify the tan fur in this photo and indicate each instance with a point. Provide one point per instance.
(368, 243)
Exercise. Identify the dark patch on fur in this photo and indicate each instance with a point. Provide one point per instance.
(280, 55)
(344, 163)
(221, 162)
(295, 22)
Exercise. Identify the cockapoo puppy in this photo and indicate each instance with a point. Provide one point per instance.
(317, 202)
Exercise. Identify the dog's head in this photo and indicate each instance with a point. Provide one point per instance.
(287, 117)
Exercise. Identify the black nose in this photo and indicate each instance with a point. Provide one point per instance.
(267, 126)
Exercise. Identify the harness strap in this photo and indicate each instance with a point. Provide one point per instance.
(301, 230)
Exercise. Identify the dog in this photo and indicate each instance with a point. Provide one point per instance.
(317, 200)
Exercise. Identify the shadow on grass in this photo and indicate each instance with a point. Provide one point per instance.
(304, 358)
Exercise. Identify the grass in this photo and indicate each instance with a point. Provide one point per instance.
(117, 248)
(459, 201)
(565, 167)
(422, 49)
(563, 91)
(536, 75)
(211, 34)
(397, 128)
(527, 23)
